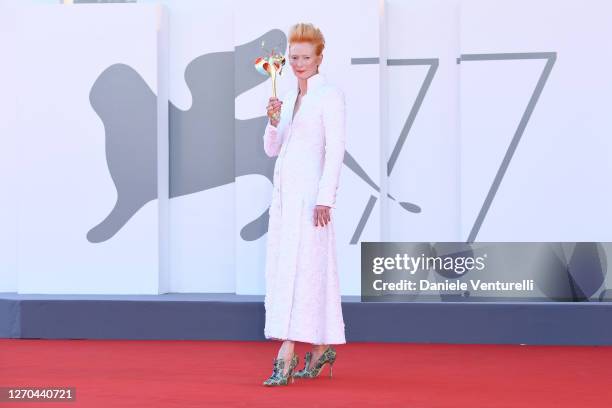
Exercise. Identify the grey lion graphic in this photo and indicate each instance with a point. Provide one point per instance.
(203, 154)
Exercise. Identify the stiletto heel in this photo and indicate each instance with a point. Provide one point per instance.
(277, 377)
(331, 370)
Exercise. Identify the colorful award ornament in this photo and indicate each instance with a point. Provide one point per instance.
(272, 65)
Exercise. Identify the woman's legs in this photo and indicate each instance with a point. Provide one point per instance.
(317, 351)
(286, 353)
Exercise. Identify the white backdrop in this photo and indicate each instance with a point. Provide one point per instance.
(423, 90)
(556, 187)
(8, 151)
(459, 117)
(202, 256)
(65, 188)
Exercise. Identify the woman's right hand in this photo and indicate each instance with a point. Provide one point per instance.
(274, 110)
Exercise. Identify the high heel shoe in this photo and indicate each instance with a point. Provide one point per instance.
(277, 377)
(313, 370)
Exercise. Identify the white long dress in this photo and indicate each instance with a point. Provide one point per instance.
(302, 292)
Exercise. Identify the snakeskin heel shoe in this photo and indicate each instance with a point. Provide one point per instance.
(277, 377)
(313, 370)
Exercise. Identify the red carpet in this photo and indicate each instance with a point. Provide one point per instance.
(183, 374)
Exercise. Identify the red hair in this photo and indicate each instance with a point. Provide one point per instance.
(306, 32)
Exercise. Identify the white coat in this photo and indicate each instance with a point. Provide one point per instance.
(302, 292)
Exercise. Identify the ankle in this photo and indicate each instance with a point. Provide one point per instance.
(319, 349)
(286, 350)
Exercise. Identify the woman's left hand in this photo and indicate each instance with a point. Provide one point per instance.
(321, 215)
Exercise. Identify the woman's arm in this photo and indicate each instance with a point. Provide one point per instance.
(273, 140)
(273, 137)
(334, 126)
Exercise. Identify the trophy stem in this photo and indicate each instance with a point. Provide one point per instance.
(273, 76)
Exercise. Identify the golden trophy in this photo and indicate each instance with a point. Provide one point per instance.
(271, 65)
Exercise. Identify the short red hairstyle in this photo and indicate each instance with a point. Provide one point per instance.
(306, 32)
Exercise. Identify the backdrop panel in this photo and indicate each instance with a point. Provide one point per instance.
(8, 149)
(91, 129)
(423, 116)
(535, 122)
(201, 115)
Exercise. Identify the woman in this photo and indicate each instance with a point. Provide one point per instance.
(302, 293)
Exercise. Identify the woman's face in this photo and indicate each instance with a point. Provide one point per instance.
(304, 60)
